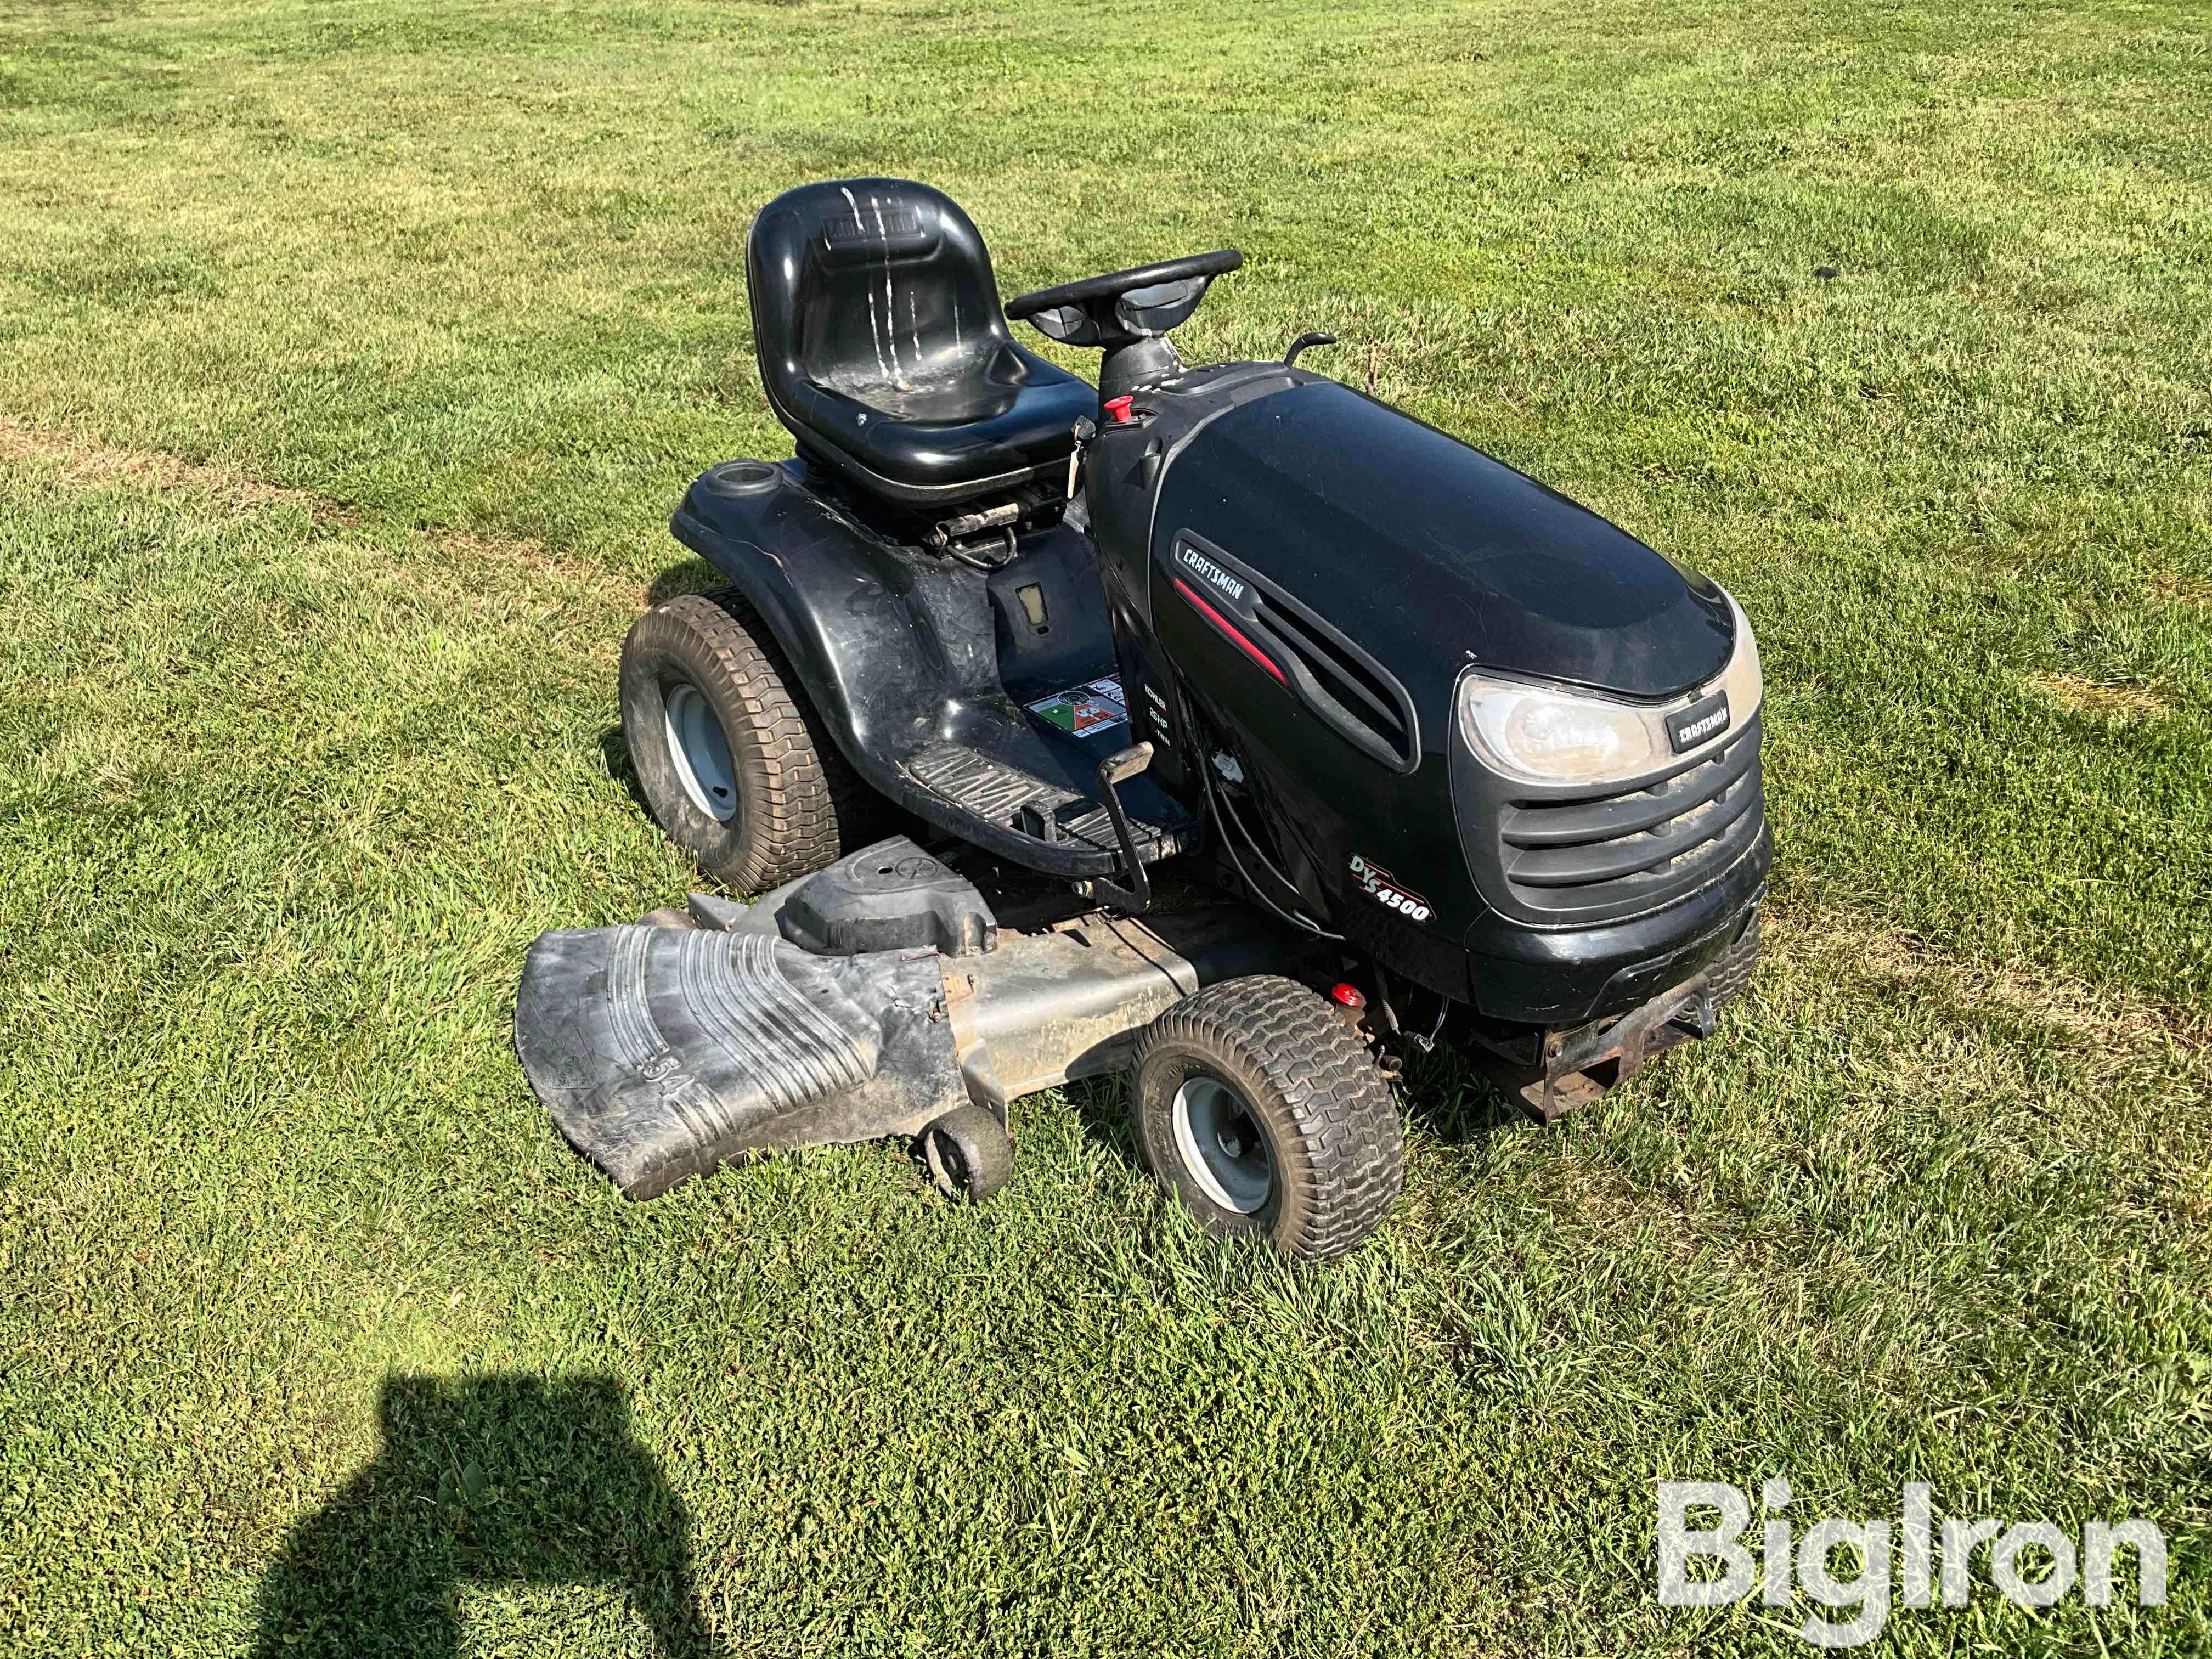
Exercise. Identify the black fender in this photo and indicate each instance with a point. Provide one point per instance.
(899, 651)
(880, 643)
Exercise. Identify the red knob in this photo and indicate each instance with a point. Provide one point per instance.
(1117, 408)
(1346, 996)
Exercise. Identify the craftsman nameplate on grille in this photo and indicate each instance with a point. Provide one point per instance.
(1701, 721)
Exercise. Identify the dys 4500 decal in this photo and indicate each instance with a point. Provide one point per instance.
(1383, 888)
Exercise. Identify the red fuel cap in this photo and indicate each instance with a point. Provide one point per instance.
(1117, 408)
(1348, 996)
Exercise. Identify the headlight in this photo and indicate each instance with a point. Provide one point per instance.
(1555, 737)
(1548, 734)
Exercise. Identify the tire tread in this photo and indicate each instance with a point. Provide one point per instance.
(811, 804)
(1346, 1132)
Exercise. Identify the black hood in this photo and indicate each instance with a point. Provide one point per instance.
(1433, 555)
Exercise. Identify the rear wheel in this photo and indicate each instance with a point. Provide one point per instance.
(1265, 1116)
(733, 763)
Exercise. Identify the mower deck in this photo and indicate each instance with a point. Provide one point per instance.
(671, 1046)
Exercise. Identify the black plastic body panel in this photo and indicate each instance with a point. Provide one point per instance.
(889, 896)
(1073, 641)
(1434, 555)
(901, 651)
(1565, 977)
(1246, 482)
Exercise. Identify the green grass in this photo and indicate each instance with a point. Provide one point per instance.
(350, 358)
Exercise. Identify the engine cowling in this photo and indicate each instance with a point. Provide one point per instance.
(1307, 573)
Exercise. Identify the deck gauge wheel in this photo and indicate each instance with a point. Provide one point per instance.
(968, 1153)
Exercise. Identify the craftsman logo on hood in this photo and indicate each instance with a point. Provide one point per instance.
(1208, 572)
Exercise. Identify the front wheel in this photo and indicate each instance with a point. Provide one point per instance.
(1258, 1110)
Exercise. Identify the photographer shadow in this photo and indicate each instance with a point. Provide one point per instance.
(483, 1480)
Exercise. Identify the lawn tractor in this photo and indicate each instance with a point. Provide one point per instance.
(1220, 725)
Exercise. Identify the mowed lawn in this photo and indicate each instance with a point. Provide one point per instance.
(352, 357)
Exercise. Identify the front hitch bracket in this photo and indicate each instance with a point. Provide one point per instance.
(1575, 1065)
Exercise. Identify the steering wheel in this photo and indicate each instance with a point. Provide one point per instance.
(1123, 307)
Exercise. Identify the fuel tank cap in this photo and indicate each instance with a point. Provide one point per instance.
(742, 479)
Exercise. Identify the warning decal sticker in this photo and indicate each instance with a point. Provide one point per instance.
(1082, 709)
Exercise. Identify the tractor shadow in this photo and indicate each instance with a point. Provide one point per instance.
(1102, 1107)
(614, 754)
(1449, 1099)
(485, 1480)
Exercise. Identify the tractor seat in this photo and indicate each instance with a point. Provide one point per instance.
(883, 349)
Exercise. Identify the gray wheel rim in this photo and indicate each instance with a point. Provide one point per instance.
(947, 1169)
(701, 752)
(1222, 1147)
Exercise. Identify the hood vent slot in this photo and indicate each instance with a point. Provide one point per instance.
(1343, 686)
(1347, 692)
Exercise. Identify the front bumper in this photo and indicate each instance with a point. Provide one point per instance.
(1553, 1072)
(1569, 976)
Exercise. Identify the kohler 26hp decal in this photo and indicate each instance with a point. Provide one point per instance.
(1382, 887)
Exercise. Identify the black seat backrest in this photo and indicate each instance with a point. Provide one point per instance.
(879, 288)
